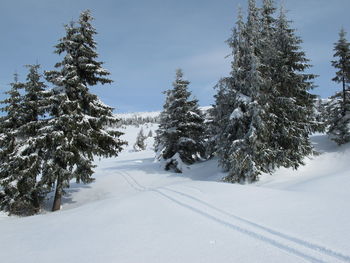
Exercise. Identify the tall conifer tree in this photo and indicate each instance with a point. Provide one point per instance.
(268, 112)
(9, 124)
(339, 106)
(244, 144)
(79, 118)
(292, 105)
(24, 161)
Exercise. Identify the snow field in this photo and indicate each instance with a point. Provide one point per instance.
(136, 212)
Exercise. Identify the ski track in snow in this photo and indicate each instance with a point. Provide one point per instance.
(298, 247)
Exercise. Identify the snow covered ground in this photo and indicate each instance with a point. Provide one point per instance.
(136, 212)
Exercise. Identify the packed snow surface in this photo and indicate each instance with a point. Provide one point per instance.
(136, 212)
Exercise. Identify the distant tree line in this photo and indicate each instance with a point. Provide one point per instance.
(137, 120)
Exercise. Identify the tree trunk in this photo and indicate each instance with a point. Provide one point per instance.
(36, 202)
(58, 195)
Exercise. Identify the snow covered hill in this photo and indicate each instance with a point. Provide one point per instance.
(134, 118)
(136, 212)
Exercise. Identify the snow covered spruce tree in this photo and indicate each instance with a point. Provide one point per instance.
(180, 137)
(268, 112)
(293, 106)
(339, 106)
(243, 150)
(24, 193)
(9, 124)
(140, 141)
(12, 118)
(79, 118)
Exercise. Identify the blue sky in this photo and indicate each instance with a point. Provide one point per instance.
(143, 42)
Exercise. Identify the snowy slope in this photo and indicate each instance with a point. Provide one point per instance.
(135, 212)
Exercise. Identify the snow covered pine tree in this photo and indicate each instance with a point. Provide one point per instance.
(293, 106)
(23, 192)
(9, 125)
(140, 141)
(338, 107)
(180, 137)
(243, 143)
(79, 119)
(268, 115)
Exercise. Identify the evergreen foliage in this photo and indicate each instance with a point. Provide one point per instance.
(339, 106)
(243, 149)
(13, 118)
(180, 137)
(263, 110)
(217, 119)
(140, 141)
(23, 162)
(136, 120)
(9, 125)
(79, 118)
(293, 105)
(49, 138)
